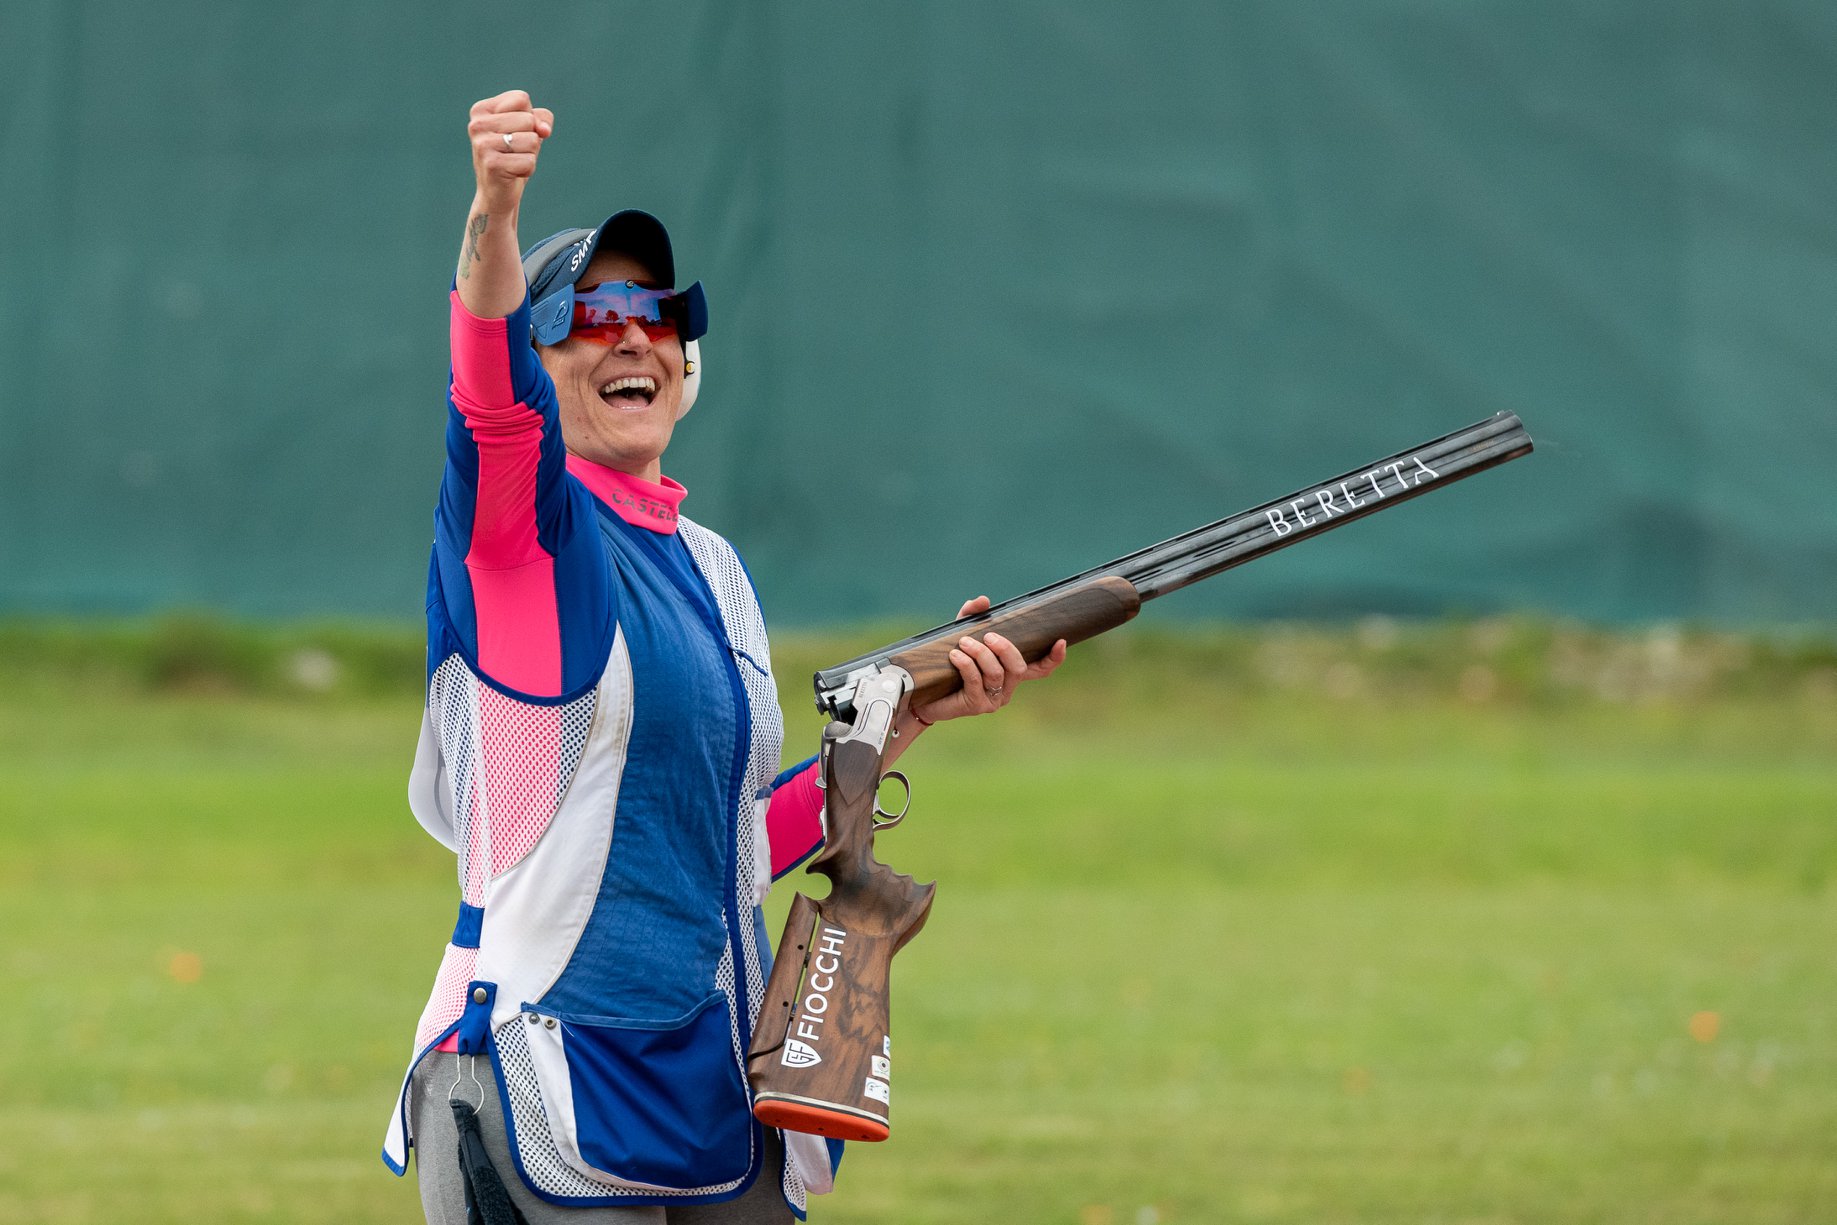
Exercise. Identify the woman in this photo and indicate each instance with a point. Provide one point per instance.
(600, 748)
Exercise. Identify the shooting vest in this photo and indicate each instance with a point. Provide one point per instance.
(610, 954)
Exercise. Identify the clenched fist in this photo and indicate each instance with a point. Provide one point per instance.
(507, 134)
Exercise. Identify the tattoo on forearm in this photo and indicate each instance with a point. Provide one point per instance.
(475, 229)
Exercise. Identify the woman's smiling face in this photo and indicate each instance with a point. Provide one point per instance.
(619, 401)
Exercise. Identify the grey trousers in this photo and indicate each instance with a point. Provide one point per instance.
(443, 1196)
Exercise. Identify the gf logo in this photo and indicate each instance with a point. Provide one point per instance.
(800, 1054)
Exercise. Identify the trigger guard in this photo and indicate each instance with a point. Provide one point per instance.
(887, 820)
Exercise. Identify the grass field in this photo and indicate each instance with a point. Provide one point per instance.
(1495, 923)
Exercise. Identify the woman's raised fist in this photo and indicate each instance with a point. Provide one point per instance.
(507, 134)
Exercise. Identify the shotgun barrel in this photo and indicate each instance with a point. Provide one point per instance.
(1100, 598)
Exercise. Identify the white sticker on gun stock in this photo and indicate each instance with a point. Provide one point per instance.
(826, 959)
(878, 1090)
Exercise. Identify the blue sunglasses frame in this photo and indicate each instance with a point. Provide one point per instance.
(553, 318)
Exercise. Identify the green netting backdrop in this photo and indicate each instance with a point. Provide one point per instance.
(999, 290)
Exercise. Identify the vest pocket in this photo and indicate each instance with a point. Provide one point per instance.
(654, 1105)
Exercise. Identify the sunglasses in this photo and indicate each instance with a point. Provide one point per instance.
(601, 314)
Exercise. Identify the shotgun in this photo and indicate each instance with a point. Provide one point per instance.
(821, 1055)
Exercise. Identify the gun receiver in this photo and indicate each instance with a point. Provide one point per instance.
(1102, 598)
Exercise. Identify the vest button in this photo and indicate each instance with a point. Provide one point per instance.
(480, 995)
(548, 1022)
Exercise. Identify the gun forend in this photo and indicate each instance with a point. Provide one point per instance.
(1073, 614)
(1033, 625)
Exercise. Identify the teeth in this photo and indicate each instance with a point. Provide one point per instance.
(638, 382)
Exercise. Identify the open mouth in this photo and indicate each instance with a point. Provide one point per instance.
(632, 391)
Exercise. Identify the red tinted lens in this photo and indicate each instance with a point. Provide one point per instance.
(604, 312)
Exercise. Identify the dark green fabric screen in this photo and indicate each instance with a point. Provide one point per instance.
(998, 291)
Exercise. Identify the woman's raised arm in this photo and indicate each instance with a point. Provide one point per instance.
(507, 134)
(522, 572)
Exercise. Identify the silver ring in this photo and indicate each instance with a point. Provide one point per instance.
(506, 140)
(993, 693)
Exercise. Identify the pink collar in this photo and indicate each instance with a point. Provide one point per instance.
(639, 502)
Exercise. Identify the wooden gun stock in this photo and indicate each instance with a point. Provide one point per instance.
(821, 1053)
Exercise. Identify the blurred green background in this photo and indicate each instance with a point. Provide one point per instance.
(1087, 277)
(1495, 921)
(1472, 865)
